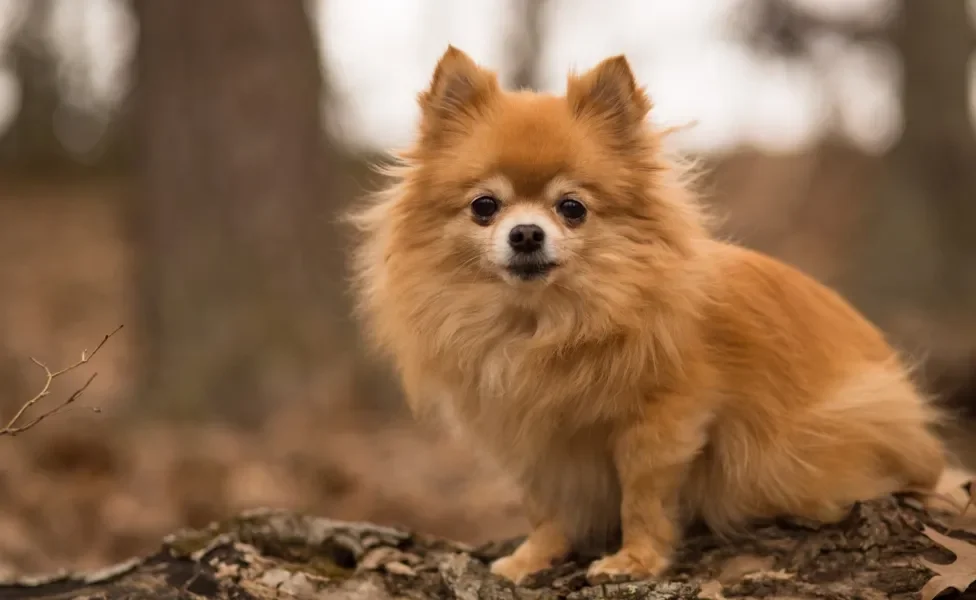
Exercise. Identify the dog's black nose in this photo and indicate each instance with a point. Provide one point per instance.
(526, 238)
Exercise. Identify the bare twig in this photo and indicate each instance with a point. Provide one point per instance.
(14, 426)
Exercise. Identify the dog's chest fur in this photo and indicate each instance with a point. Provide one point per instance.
(549, 438)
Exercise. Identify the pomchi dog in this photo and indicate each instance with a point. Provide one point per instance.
(542, 276)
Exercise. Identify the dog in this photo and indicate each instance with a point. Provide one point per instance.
(544, 278)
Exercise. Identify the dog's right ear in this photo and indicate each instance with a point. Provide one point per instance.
(458, 90)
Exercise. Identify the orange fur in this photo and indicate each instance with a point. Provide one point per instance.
(657, 374)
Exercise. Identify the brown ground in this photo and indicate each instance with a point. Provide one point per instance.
(79, 494)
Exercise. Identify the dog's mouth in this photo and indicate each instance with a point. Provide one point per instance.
(528, 270)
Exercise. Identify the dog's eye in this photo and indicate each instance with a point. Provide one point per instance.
(571, 210)
(484, 208)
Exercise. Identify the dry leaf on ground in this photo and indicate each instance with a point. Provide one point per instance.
(959, 574)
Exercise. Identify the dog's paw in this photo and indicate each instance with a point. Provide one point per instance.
(626, 566)
(515, 569)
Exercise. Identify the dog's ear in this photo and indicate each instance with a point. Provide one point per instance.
(458, 90)
(609, 92)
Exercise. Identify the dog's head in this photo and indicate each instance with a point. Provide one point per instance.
(527, 196)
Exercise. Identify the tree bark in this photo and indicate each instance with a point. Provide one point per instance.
(874, 553)
(229, 219)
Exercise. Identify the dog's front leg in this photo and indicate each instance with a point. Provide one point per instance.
(652, 458)
(545, 545)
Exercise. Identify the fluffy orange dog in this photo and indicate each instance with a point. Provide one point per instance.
(542, 275)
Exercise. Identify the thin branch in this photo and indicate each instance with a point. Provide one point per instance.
(14, 426)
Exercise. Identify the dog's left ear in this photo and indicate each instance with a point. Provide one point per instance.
(609, 92)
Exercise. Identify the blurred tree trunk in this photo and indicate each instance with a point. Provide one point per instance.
(31, 141)
(921, 247)
(229, 205)
(937, 153)
(529, 16)
(38, 142)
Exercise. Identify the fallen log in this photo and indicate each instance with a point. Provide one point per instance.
(879, 551)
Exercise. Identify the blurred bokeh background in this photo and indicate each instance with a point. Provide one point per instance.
(176, 166)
